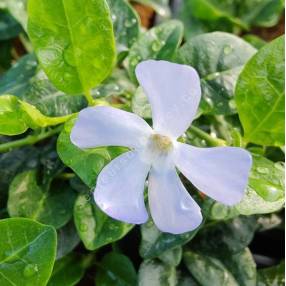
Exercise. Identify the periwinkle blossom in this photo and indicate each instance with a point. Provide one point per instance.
(174, 93)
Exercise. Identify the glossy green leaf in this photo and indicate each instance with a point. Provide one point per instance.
(14, 162)
(45, 204)
(264, 194)
(85, 163)
(228, 237)
(116, 269)
(155, 273)
(117, 84)
(27, 252)
(160, 42)
(208, 270)
(271, 276)
(140, 104)
(94, 227)
(67, 271)
(16, 116)
(265, 13)
(252, 203)
(16, 80)
(172, 256)
(242, 266)
(155, 242)
(238, 269)
(255, 41)
(219, 58)
(73, 42)
(267, 178)
(125, 24)
(67, 239)
(12, 121)
(18, 9)
(49, 100)
(9, 27)
(260, 96)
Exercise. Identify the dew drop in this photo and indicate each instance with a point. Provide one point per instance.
(262, 170)
(30, 270)
(232, 104)
(156, 46)
(130, 22)
(227, 49)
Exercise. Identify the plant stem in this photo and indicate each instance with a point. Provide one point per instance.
(208, 138)
(29, 140)
(89, 98)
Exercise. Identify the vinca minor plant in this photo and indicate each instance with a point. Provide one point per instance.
(141, 143)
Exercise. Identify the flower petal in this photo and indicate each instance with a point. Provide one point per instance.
(107, 126)
(220, 172)
(172, 208)
(120, 188)
(174, 93)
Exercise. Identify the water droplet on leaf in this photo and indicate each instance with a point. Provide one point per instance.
(30, 270)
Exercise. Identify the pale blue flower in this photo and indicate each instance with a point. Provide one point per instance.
(174, 93)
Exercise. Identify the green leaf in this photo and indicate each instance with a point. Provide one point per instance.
(228, 237)
(27, 252)
(172, 257)
(85, 163)
(42, 203)
(125, 24)
(140, 104)
(218, 58)
(18, 9)
(252, 203)
(16, 80)
(155, 273)
(14, 162)
(271, 276)
(12, 121)
(67, 271)
(94, 227)
(264, 194)
(49, 100)
(242, 266)
(265, 13)
(67, 239)
(160, 42)
(9, 27)
(73, 42)
(267, 178)
(255, 41)
(208, 270)
(116, 269)
(215, 10)
(155, 242)
(260, 96)
(16, 116)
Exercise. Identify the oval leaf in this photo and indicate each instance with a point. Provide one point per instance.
(73, 41)
(28, 199)
(260, 96)
(94, 227)
(27, 252)
(161, 43)
(218, 57)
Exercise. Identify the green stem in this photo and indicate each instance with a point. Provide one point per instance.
(89, 98)
(205, 136)
(29, 140)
